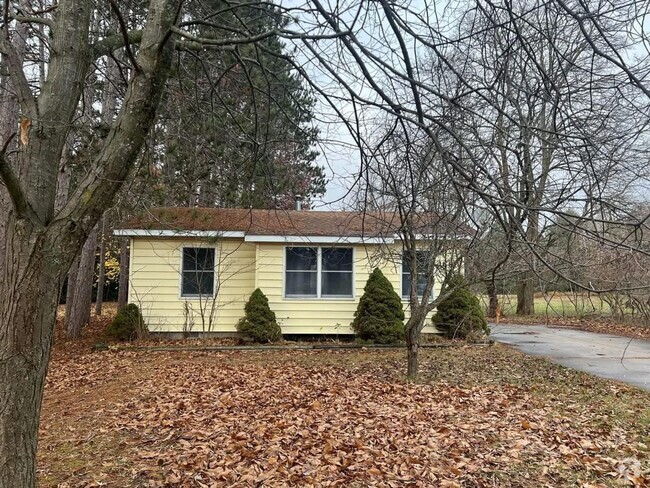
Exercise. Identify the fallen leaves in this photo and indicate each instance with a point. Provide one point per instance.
(328, 419)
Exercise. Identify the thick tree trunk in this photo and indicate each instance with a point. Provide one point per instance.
(101, 275)
(29, 290)
(526, 294)
(40, 244)
(82, 298)
(493, 298)
(123, 290)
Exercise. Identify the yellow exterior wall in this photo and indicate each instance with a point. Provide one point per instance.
(155, 287)
(322, 315)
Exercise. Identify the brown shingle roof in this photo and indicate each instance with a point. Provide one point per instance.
(269, 222)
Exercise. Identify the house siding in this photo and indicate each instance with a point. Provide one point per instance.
(241, 267)
(155, 276)
(321, 315)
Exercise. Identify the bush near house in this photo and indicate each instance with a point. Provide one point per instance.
(379, 317)
(259, 322)
(127, 324)
(460, 315)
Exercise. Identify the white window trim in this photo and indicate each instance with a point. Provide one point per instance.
(319, 273)
(180, 281)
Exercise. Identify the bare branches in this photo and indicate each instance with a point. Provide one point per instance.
(125, 34)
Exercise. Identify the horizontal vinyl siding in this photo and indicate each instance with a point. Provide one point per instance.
(324, 315)
(155, 284)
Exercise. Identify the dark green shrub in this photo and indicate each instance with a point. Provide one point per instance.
(127, 324)
(460, 314)
(379, 317)
(259, 321)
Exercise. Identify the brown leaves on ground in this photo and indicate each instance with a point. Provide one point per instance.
(481, 417)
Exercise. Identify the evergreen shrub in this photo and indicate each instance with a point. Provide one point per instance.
(379, 317)
(460, 314)
(259, 322)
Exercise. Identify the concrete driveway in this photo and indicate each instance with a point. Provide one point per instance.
(599, 354)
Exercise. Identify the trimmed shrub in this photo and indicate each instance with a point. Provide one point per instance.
(379, 317)
(127, 324)
(259, 322)
(460, 315)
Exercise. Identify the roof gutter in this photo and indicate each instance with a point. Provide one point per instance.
(293, 239)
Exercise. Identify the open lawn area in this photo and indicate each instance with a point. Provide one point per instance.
(556, 304)
(480, 416)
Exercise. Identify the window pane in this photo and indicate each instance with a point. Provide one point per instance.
(300, 283)
(406, 284)
(422, 283)
(338, 284)
(337, 259)
(301, 258)
(422, 263)
(198, 258)
(197, 283)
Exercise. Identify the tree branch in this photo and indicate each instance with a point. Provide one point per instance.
(111, 43)
(17, 75)
(8, 177)
(125, 34)
(31, 19)
(124, 142)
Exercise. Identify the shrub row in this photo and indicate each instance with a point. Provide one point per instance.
(379, 317)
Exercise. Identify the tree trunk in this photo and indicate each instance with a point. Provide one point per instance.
(526, 288)
(526, 294)
(123, 290)
(413, 350)
(29, 290)
(82, 299)
(72, 286)
(102, 268)
(493, 298)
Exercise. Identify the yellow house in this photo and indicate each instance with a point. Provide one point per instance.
(193, 269)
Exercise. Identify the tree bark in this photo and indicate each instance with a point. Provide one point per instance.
(526, 287)
(41, 243)
(71, 288)
(526, 294)
(29, 291)
(82, 298)
(413, 349)
(101, 275)
(493, 298)
(123, 290)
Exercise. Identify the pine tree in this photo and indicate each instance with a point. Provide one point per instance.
(259, 321)
(460, 315)
(379, 317)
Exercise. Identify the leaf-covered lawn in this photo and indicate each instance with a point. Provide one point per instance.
(480, 417)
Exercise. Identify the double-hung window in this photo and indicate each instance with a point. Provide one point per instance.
(422, 258)
(197, 273)
(319, 272)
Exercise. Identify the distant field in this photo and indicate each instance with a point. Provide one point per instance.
(556, 304)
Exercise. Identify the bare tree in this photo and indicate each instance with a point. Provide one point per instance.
(363, 59)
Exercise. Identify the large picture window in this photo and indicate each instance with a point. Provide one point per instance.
(197, 274)
(319, 272)
(421, 282)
